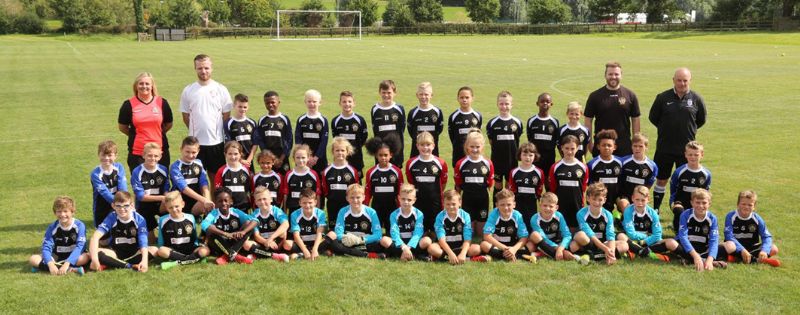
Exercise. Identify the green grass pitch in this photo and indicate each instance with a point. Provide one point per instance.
(60, 96)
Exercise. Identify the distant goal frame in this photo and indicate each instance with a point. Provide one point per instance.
(278, 28)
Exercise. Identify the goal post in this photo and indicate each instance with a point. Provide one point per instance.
(318, 25)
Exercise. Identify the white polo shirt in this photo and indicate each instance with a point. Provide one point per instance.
(205, 105)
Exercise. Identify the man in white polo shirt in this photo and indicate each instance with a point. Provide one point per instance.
(205, 105)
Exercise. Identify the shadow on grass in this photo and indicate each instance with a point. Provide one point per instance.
(24, 228)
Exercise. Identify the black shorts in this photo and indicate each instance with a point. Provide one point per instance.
(477, 205)
(394, 251)
(213, 157)
(665, 163)
(150, 217)
(522, 251)
(721, 254)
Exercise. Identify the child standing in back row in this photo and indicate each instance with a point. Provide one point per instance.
(504, 132)
(425, 117)
(312, 130)
(389, 118)
(461, 121)
(576, 129)
(352, 127)
(241, 129)
(543, 133)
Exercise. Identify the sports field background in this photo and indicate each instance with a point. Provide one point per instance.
(60, 96)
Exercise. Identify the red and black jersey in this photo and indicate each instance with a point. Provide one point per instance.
(430, 120)
(429, 177)
(382, 187)
(272, 181)
(568, 181)
(239, 181)
(354, 129)
(145, 122)
(527, 186)
(294, 182)
(335, 180)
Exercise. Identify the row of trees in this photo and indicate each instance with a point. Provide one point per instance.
(27, 16)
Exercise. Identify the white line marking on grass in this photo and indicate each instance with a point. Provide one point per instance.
(55, 138)
(556, 82)
(73, 49)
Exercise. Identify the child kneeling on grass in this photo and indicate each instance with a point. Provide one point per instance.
(227, 229)
(64, 241)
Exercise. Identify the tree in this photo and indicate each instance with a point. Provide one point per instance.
(603, 9)
(138, 12)
(580, 9)
(426, 11)
(482, 11)
(368, 8)
(218, 11)
(185, 13)
(398, 14)
(656, 9)
(548, 11)
(703, 8)
(254, 13)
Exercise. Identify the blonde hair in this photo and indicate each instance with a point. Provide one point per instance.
(747, 194)
(549, 198)
(424, 138)
(701, 193)
(151, 146)
(450, 194)
(301, 147)
(141, 76)
(574, 105)
(425, 86)
(355, 188)
(503, 195)
(640, 137)
(63, 202)
(694, 145)
(312, 94)
(642, 190)
(596, 189)
(473, 135)
(504, 93)
(341, 141)
(261, 190)
(173, 196)
(407, 188)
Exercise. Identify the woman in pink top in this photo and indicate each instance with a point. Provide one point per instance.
(145, 117)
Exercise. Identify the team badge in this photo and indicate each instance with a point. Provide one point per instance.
(73, 237)
(616, 170)
(235, 224)
(581, 137)
(159, 180)
(705, 230)
(550, 129)
(392, 179)
(484, 170)
(348, 177)
(272, 224)
(474, 121)
(188, 229)
(514, 128)
(434, 169)
(275, 183)
(395, 117)
(243, 178)
(702, 181)
(647, 225)
(434, 118)
(364, 226)
(132, 231)
(195, 169)
(484, 213)
(354, 127)
(602, 226)
(622, 101)
(248, 128)
(279, 125)
(459, 228)
(689, 103)
(535, 181)
(511, 230)
(308, 184)
(318, 126)
(578, 173)
(155, 110)
(553, 226)
(752, 227)
(644, 172)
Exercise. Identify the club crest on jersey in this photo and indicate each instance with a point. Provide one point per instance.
(484, 213)
(272, 224)
(459, 228)
(553, 226)
(602, 226)
(514, 128)
(705, 230)
(751, 227)
(279, 125)
(196, 169)
(616, 170)
(622, 101)
(248, 128)
(348, 177)
(581, 137)
(474, 121)
(318, 126)
(243, 178)
(392, 179)
(484, 170)
(159, 181)
(308, 184)
(702, 181)
(434, 169)
(644, 172)
(434, 119)
(535, 181)
(132, 231)
(275, 183)
(395, 117)
(689, 103)
(510, 230)
(578, 173)
(647, 225)
(73, 237)
(550, 129)
(189, 229)
(364, 226)
(235, 224)
(354, 127)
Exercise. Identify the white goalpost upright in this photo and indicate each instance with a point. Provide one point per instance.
(289, 12)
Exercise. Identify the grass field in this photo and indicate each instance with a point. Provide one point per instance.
(61, 97)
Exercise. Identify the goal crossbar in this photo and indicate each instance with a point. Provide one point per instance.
(278, 18)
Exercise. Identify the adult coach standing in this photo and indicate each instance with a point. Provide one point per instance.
(205, 105)
(677, 113)
(613, 107)
(145, 117)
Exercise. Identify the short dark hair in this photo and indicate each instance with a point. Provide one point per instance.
(270, 94)
(190, 140)
(241, 98)
(201, 57)
(387, 85)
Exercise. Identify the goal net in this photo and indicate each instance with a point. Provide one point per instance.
(318, 25)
